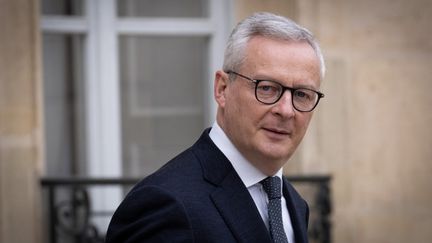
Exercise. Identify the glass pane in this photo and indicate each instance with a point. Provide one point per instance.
(162, 8)
(62, 7)
(63, 104)
(162, 86)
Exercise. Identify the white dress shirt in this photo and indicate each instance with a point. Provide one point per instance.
(251, 177)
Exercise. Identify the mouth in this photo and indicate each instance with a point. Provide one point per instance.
(277, 131)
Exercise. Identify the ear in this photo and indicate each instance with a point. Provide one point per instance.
(220, 87)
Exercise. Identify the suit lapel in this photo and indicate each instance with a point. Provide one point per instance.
(298, 212)
(230, 197)
(239, 211)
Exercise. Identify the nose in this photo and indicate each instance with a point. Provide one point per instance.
(284, 107)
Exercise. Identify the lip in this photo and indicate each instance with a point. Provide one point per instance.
(277, 132)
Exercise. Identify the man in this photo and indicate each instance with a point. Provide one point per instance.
(227, 186)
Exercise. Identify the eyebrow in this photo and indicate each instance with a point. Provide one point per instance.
(306, 85)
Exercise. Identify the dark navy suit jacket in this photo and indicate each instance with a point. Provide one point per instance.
(198, 197)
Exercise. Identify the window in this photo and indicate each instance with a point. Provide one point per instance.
(127, 83)
(64, 104)
(162, 93)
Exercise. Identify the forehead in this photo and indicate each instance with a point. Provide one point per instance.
(281, 60)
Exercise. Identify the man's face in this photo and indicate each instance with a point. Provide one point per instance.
(267, 135)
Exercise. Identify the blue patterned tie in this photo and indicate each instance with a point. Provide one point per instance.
(272, 186)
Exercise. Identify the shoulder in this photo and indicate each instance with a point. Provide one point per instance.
(154, 211)
(192, 169)
(171, 201)
(176, 173)
(151, 214)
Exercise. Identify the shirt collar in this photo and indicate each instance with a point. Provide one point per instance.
(248, 173)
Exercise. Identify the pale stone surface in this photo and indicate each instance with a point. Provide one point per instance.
(19, 122)
(381, 188)
(243, 8)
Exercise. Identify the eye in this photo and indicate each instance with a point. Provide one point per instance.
(304, 94)
(300, 93)
(268, 88)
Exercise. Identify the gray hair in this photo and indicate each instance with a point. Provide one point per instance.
(267, 25)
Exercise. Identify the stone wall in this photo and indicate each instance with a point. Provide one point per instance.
(20, 106)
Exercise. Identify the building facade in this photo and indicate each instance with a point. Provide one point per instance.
(371, 132)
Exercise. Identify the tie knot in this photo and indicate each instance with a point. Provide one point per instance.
(272, 186)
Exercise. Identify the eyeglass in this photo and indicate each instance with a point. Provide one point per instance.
(269, 92)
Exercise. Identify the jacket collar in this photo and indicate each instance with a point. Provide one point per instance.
(230, 196)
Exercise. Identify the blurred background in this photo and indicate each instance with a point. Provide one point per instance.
(100, 93)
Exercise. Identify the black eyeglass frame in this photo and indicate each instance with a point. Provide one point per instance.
(284, 88)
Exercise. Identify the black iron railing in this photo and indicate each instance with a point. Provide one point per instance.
(69, 214)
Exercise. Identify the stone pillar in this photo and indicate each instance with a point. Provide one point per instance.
(20, 121)
(372, 130)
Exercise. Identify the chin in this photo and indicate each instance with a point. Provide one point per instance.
(277, 154)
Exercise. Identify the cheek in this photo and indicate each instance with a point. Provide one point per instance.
(249, 112)
(242, 109)
(234, 103)
(303, 124)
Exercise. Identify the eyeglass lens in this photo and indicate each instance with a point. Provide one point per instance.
(270, 92)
